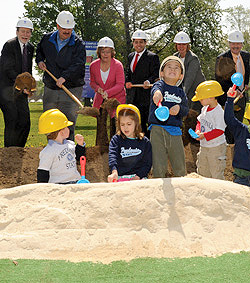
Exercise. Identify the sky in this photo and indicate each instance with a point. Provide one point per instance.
(11, 10)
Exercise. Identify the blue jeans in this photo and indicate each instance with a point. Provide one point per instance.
(242, 180)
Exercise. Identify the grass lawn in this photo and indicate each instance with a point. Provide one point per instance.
(226, 268)
(85, 125)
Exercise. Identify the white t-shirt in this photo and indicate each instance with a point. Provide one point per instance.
(60, 161)
(209, 121)
(105, 75)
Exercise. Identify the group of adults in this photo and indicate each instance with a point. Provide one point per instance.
(63, 53)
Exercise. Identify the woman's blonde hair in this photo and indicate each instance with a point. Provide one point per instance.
(99, 49)
(133, 115)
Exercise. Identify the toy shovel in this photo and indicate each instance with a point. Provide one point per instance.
(83, 163)
(237, 79)
(162, 112)
(193, 134)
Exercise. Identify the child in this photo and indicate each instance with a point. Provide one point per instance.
(130, 153)
(211, 158)
(241, 133)
(58, 158)
(166, 137)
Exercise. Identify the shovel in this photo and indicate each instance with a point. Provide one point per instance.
(193, 134)
(162, 112)
(83, 163)
(237, 79)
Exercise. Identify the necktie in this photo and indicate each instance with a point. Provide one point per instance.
(239, 69)
(135, 62)
(25, 59)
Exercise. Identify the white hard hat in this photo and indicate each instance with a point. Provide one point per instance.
(24, 23)
(235, 36)
(139, 34)
(181, 37)
(106, 42)
(65, 20)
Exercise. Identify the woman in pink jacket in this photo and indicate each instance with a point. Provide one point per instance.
(107, 76)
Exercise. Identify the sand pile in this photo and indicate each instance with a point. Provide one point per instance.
(173, 217)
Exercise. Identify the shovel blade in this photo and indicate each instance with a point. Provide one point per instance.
(162, 113)
(82, 180)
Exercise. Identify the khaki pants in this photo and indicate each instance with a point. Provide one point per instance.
(211, 161)
(164, 147)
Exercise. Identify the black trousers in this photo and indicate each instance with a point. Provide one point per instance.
(15, 108)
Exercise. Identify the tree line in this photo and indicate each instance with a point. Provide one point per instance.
(161, 19)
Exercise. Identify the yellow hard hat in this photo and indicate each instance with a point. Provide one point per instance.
(247, 112)
(128, 106)
(207, 89)
(52, 120)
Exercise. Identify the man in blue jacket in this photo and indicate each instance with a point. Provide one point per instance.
(63, 53)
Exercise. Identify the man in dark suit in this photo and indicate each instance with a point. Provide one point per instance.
(16, 58)
(143, 68)
(241, 60)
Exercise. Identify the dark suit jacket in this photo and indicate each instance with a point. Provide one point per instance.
(11, 61)
(226, 84)
(147, 68)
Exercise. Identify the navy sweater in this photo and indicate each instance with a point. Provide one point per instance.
(241, 159)
(172, 95)
(130, 156)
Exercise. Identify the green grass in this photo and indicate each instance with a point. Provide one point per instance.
(226, 268)
(85, 125)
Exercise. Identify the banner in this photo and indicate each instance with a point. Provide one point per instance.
(91, 55)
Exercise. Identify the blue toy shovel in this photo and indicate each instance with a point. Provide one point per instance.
(237, 79)
(193, 134)
(162, 112)
(83, 163)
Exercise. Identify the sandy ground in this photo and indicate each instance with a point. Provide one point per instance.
(171, 217)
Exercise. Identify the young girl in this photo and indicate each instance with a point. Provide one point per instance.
(130, 153)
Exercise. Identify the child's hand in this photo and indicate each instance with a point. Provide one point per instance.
(157, 97)
(79, 139)
(201, 136)
(174, 110)
(136, 178)
(113, 176)
(231, 93)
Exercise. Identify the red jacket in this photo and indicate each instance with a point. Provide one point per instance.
(114, 85)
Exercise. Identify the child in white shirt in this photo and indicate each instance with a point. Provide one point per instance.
(211, 158)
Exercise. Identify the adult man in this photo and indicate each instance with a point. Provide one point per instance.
(143, 68)
(16, 58)
(241, 60)
(63, 53)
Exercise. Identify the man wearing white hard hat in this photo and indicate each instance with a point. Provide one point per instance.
(241, 60)
(193, 73)
(143, 68)
(16, 58)
(63, 53)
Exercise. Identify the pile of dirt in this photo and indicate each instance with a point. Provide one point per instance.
(18, 165)
(170, 217)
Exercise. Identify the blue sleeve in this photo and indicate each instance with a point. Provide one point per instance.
(113, 153)
(147, 160)
(232, 122)
(183, 106)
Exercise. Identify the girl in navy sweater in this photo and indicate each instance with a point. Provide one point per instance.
(130, 152)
